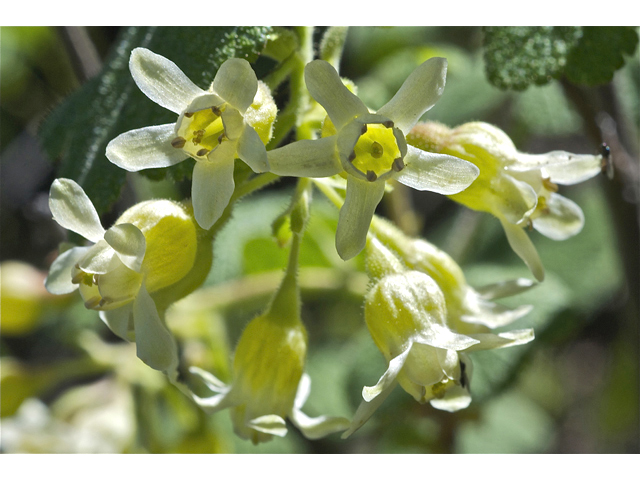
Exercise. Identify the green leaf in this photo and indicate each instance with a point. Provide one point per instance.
(599, 54)
(517, 57)
(77, 132)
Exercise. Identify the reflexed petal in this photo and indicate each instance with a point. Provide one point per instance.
(154, 343)
(366, 409)
(234, 124)
(148, 147)
(214, 384)
(388, 379)
(493, 315)
(161, 80)
(505, 289)
(120, 321)
(211, 190)
(214, 404)
(73, 210)
(271, 424)
(58, 281)
(355, 215)
(439, 336)
(251, 150)
(236, 83)
(455, 398)
(524, 248)
(325, 86)
(419, 92)
(306, 158)
(490, 341)
(318, 427)
(129, 244)
(517, 199)
(99, 259)
(563, 167)
(563, 219)
(436, 172)
(304, 389)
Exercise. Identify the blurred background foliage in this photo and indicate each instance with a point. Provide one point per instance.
(68, 385)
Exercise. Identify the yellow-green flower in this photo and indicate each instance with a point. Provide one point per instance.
(269, 383)
(151, 247)
(233, 118)
(370, 148)
(517, 188)
(407, 316)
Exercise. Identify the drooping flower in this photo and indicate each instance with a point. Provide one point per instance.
(151, 247)
(370, 148)
(269, 383)
(407, 317)
(233, 118)
(517, 188)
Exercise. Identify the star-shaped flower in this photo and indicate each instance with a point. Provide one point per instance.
(233, 118)
(151, 246)
(370, 148)
(517, 188)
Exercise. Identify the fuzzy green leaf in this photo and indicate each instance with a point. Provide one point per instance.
(516, 57)
(599, 53)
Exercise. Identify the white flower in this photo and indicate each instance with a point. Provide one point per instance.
(370, 148)
(152, 245)
(232, 119)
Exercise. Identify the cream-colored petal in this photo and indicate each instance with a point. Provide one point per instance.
(564, 168)
(271, 424)
(213, 383)
(120, 321)
(516, 199)
(148, 147)
(490, 341)
(356, 213)
(504, 289)
(155, 344)
(119, 286)
(162, 80)
(419, 92)
(387, 380)
(318, 427)
(440, 336)
(436, 172)
(99, 259)
(129, 244)
(325, 86)
(211, 190)
(236, 83)
(366, 410)
(251, 150)
(561, 219)
(58, 282)
(455, 398)
(306, 158)
(522, 245)
(73, 210)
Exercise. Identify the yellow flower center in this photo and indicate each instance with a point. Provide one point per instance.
(376, 152)
(200, 132)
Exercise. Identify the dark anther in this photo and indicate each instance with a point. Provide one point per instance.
(388, 124)
(202, 152)
(352, 157)
(216, 110)
(397, 164)
(371, 176)
(178, 142)
(188, 114)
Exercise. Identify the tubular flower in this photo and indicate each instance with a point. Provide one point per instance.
(517, 188)
(268, 380)
(469, 310)
(406, 314)
(233, 118)
(151, 247)
(370, 148)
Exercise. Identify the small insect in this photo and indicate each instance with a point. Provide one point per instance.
(607, 163)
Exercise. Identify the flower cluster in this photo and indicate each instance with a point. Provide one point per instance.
(420, 311)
